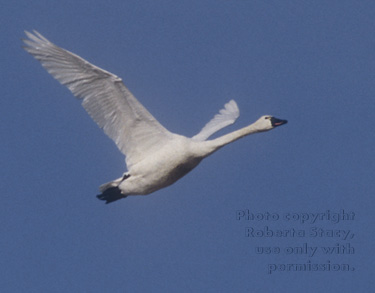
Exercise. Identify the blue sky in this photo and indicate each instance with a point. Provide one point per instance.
(311, 62)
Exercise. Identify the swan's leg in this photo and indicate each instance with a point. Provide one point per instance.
(125, 176)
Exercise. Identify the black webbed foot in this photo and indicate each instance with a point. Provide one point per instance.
(111, 194)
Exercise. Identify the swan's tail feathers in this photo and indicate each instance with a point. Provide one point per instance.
(110, 184)
(110, 191)
(111, 194)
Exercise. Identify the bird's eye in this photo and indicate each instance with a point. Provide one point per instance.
(267, 117)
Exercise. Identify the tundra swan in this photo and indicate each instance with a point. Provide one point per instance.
(155, 157)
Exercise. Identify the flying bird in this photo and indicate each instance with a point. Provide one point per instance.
(155, 157)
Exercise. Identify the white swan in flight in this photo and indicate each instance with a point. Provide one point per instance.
(155, 157)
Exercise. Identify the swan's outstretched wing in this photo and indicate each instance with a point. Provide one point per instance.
(226, 116)
(134, 130)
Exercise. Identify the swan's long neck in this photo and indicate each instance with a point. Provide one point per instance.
(215, 144)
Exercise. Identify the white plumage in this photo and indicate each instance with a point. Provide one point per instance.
(155, 157)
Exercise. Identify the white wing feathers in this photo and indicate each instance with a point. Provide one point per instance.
(226, 116)
(134, 130)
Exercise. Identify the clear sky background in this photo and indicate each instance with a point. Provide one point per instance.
(311, 62)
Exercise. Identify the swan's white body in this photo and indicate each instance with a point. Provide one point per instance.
(155, 157)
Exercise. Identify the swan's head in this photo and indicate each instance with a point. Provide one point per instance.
(268, 122)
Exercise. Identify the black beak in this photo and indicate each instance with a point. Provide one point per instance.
(277, 122)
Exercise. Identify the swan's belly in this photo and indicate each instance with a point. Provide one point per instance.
(159, 171)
